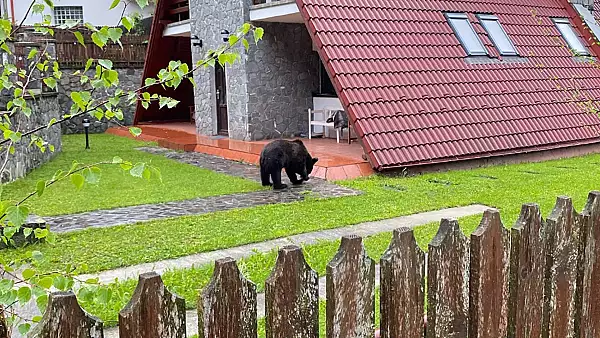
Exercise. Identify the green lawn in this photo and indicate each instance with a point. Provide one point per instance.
(117, 188)
(504, 187)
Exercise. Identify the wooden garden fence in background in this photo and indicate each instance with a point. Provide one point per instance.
(541, 278)
(71, 54)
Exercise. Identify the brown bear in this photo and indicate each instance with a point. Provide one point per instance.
(289, 155)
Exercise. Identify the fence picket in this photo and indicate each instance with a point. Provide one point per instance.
(351, 291)
(153, 311)
(526, 287)
(403, 287)
(292, 297)
(590, 290)
(448, 282)
(227, 306)
(64, 318)
(562, 249)
(489, 271)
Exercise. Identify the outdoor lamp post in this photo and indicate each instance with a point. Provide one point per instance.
(225, 33)
(86, 127)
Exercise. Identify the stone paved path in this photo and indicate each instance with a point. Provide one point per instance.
(362, 229)
(129, 215)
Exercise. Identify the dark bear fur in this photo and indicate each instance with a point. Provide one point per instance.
(289, 155)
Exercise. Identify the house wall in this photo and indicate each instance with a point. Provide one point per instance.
(95, 12)
(129, 79)
(283, 73)
(208, 19)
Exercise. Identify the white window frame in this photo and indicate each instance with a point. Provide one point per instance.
(564, 23)
(67, 14)
(483, 18)
(450, 17)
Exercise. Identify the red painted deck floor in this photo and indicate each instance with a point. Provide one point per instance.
(337, 161)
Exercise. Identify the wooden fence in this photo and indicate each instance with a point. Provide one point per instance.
(541, 278)
(71, 54)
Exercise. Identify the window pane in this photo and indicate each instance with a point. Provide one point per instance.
(468, 37)
(64, 14)
(572, 39)
(499, 37)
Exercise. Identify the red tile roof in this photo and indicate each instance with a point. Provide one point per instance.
(403, 78)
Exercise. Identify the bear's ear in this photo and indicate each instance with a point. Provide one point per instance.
(315, 160)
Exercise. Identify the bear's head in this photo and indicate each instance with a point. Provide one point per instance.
(310, 164)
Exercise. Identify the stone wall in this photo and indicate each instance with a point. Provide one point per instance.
(283, 73)
(26, 158)
(208, 19)
(129, 78)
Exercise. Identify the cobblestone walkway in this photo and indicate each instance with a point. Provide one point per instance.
(129, 215)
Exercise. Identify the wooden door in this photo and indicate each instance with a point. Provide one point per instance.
(222, 120)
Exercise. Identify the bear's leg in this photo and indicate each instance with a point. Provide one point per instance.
(265, 177)
(293, 177)
(276, 176)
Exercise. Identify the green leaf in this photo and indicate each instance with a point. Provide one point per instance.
(88, 64)
(104, 295)
(24, 328)
(106, 64)
(127, 23)
(41, 233)
(114, 4)
(79, 38)
(246, 44)
(38, 8)
(258, 34)
(50, 82)
(17, 215)
(78, 180)
(99, 40)
(60, 283)
(92, 175)
(150, 81)
(46, 282)
(24, 295)
(6, 285)
(40, 187)
(115, 34)
(42, 302)
(36, 319)
(135, 131)
(50, 3)
(117, 160)
(27, 274)
(138, 170)
(32, 53)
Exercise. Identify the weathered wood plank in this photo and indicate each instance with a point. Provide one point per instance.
(227, 306)
(490, 258)
(351, 291)
(562, 249)
(292, 297)
(64, 318)
(153, 311)
(448, 283)
(403, 287)
(4, 329)
(526, 287)
(590, 276)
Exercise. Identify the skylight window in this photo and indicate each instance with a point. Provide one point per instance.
(499, 37)
(466, 34)
(567, 32)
